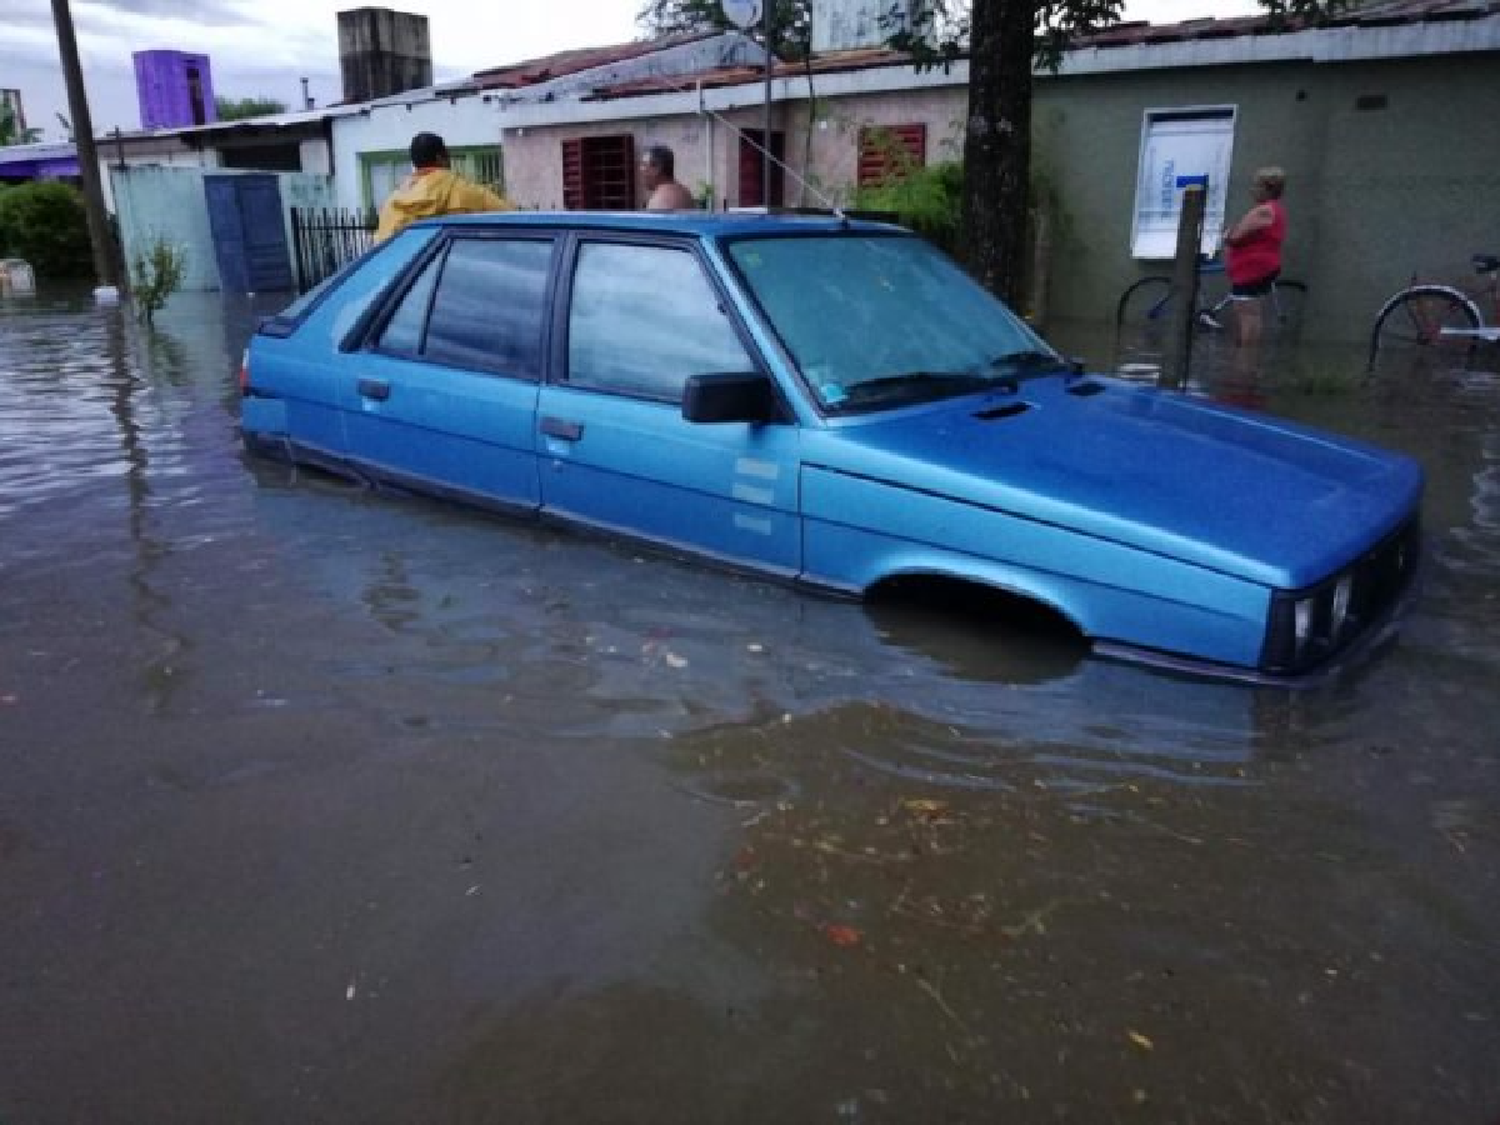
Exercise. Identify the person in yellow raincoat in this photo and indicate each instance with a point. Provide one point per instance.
(433, 188)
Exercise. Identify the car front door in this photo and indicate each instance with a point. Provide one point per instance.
(638, 319)
(444, 399)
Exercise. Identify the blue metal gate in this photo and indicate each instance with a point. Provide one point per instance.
(245, 215)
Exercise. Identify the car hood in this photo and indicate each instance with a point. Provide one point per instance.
(1244, 494)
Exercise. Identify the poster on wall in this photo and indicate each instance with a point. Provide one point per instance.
(1179, 148)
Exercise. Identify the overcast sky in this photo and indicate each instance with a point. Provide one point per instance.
(264, 47)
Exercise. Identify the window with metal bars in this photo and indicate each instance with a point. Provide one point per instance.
(599, 173)
(383, 172)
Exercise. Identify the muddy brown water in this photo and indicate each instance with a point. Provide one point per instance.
(322, 805)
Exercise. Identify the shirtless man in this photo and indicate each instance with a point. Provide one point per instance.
(666, 194)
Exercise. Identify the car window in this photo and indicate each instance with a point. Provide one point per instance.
(490, 305)
(643, 319)
(403, 332)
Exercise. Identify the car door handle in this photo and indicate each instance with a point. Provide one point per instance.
(561, 428)
(378, 389)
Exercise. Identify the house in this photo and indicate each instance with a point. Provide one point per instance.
(371, 146)
(1387, 122)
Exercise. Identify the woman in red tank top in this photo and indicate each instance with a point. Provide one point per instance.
(1253, 252)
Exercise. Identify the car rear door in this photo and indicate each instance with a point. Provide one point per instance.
(637, 317)
(444, 399)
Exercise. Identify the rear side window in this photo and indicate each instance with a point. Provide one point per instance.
(643, 319)
(403, 333)
(487, 310)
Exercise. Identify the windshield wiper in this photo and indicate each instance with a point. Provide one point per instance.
(1031, 359)
(913, 385)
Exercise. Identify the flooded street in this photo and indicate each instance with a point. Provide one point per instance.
(324, 805)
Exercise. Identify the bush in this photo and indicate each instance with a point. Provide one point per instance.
(45, 224)
(929, 201)
(157, 274)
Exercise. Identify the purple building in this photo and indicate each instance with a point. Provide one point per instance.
(176, 90)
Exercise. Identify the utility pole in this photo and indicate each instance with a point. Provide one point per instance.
(765, 154)
(106, 253)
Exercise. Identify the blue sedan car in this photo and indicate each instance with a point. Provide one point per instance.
(834, 403)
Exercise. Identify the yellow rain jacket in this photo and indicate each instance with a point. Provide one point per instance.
(435, 191)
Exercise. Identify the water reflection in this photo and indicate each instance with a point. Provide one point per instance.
(465, 804)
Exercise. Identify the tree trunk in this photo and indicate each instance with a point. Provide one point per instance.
(997, 143)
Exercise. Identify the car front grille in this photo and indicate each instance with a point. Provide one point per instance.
(1375, 581)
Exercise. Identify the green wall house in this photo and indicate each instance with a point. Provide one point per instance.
(1388, 129)
(1387, 123)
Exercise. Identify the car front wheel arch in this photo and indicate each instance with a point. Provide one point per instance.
(981, 602)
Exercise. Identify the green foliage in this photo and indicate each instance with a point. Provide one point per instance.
(238, 109)
(11, 132)
(45, 224)
(938, 34)
(1305, 12)
(929, 200)
(791, 22)
(155, 275)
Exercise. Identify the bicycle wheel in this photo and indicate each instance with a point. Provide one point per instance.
(1409, 330)
(1144, 306)
(1284, 309)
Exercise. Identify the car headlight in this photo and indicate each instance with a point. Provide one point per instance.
(1340, 608)
(1302, 622)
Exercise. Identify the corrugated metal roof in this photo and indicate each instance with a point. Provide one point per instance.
(1373, 13)
(43, 150)
(864, 58)
(532, 72)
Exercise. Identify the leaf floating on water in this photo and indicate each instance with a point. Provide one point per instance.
(1141, 1041)
(843, 936)
(926, 808)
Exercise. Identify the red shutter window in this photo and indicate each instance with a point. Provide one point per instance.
(891, 151)
(572, 154)
(599, 173)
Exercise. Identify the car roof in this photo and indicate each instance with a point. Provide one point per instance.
(699, 223)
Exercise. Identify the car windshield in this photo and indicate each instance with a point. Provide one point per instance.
(875, 321)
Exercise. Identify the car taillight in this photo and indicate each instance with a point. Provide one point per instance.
(245, 373)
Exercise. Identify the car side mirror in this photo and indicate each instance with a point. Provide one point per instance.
(729, 397)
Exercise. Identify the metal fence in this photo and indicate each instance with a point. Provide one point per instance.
(325, 239)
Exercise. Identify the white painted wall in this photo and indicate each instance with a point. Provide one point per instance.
(468, 120)
(109, 160)
(316, 159)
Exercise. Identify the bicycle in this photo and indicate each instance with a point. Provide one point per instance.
(1147, 303)
(1438, 322)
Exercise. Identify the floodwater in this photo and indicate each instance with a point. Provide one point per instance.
(322, 805)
